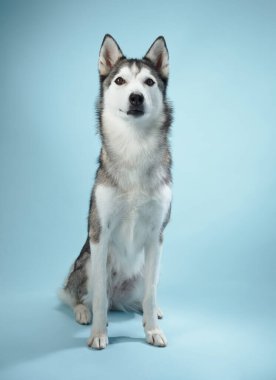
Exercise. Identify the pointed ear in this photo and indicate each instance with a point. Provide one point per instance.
(110, 53)
(159, 56)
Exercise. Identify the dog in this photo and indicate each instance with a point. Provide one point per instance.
(130, 204)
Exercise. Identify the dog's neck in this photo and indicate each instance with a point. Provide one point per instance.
(131, 143)
(135, 158)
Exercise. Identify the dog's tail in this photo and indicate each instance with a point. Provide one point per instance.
(65, 297)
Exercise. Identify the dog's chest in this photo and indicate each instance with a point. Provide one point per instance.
(135, 221)
(130, 220)
(138, 215)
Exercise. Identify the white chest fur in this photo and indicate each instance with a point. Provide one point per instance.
(130, 220)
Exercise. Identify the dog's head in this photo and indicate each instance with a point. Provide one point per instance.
(133, 89)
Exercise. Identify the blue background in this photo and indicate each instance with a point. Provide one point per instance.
(217, 286)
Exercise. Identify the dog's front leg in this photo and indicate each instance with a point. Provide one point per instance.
(153, 333)
(99, 337)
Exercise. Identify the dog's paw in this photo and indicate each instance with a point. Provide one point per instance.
(82, 314)
(156, 337)
(98, 341)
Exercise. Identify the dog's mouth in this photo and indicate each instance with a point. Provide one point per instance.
(135, 112)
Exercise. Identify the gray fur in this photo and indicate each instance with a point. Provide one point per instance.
(76, 283)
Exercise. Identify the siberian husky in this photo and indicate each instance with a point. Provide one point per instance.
(131, 198)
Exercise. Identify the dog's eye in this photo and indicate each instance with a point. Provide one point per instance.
(149, 82)
(119, 81)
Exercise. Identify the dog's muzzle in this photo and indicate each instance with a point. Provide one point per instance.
(136, 108)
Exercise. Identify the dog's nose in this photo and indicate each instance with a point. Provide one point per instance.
(136, 99)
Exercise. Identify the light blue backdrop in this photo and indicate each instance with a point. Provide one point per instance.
(218, 271)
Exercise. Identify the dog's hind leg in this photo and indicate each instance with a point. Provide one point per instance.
(82, 314)
(75, 290)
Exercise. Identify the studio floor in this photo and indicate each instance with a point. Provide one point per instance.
(40, 340)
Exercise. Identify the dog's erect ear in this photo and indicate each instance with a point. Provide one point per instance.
(159, 56)
(110, 53)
